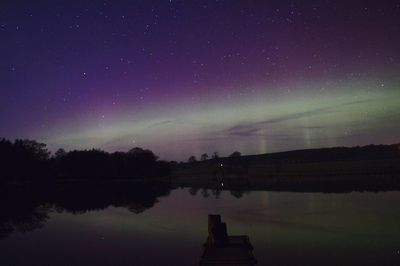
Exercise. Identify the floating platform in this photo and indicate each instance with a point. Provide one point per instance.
(221, 249)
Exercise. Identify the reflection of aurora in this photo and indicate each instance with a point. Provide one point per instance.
(357, 114)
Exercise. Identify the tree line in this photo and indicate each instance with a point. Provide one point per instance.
(215, 155)
(29, 160)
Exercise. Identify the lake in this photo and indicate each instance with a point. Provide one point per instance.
(94, 226)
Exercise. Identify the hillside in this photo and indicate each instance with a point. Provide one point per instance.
(368, 167)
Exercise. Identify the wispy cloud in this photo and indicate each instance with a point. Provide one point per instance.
(161, 123)
(253, 129)
(314, 127)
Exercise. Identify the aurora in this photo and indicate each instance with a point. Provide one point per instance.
(184, 78)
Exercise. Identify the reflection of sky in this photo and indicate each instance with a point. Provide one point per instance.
(187, 77)
(284, 227)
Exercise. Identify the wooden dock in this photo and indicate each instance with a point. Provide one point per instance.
(221, 249)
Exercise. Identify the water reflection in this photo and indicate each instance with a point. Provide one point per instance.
(129, 224)
(25, 209)
(22, 218)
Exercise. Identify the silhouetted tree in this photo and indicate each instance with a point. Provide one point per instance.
(192, 159)
(204, 157)
(6, 160)
(23, 160)
(215, 155)
(31, 148)
(236, 154)
(60, 153)
(143, 154)
(28, 160)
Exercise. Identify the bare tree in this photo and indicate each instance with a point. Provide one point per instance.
(215, 155)
(204, 157)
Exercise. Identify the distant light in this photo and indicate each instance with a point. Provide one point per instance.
(222, 184)
(222, 164)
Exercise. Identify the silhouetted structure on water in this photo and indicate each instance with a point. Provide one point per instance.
(221, 249)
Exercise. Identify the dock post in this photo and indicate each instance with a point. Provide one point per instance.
(217, 232)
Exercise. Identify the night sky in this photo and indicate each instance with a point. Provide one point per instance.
(187, 77)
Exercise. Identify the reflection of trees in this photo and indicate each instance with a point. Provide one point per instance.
(205, 193)
(6, 229)
(28, 209)
(193, 191)
(139, 207)
(93, 197)
(237, 193)
(216, 193)
(34, 220)
(23, 214)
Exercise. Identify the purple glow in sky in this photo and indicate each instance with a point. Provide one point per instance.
(187, 77)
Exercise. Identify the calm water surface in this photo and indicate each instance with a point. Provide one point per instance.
(284, 228)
